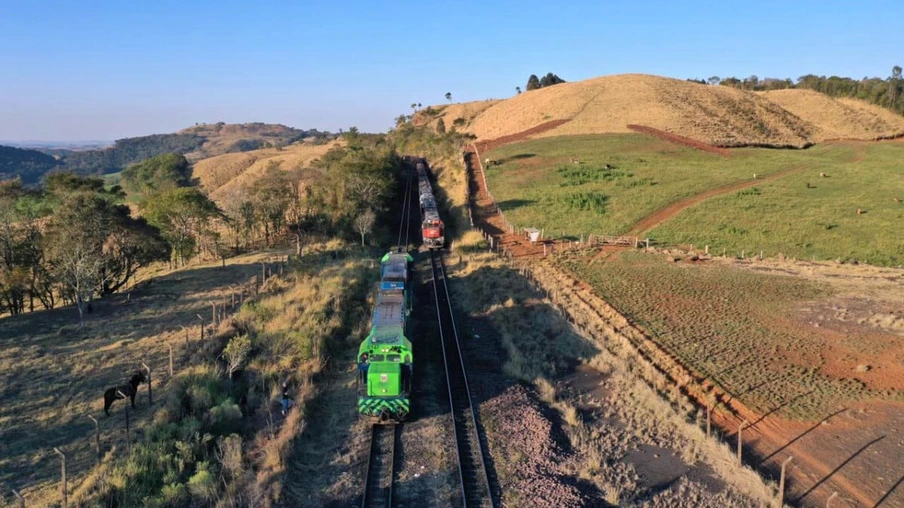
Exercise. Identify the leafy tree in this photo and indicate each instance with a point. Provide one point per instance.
(518, 90)
(181, 214)
(713, 80)
(414, 106)
(550, 79)
(75, 243)
(449, 96)
(157, 174)
(894, 83)
(732, 82)
(440, 126)
(131, 244)
(533, 82)
(271, 196)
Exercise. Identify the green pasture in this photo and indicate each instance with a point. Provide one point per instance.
(537, 185)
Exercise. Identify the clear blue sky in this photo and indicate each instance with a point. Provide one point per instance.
(80, 70)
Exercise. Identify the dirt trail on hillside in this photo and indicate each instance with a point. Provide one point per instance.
(492, 144)
(681, 140)
(651, 221)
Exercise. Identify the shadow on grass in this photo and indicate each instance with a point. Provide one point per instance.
(511, 204)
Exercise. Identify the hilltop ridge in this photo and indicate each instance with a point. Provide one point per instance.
(717, 115)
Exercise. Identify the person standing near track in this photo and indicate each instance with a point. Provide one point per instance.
(286, 399)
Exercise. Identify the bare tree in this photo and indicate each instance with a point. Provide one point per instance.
(236, 353)
(365, 222)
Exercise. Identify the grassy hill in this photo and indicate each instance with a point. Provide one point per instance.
(717, 115)
(224, 174)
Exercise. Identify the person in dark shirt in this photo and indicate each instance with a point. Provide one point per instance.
(286, 400)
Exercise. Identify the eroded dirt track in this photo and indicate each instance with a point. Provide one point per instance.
(651, 221)
(681, 140)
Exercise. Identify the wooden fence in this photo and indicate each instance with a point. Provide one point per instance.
(221, 310)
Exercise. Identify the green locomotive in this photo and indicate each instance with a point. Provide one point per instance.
(385, 358)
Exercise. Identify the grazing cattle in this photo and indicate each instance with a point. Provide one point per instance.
(130, 390)
(823, 175)
(897, 200)
(608, 167)
(754, 176)
(575, 161)
(809, 186)
(859, 211)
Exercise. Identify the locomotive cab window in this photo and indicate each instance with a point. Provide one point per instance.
(393, 358)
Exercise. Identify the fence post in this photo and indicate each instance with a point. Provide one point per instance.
(781, 484)
(709, 411)
(128, 436)
(202, 325)
(63, 476)
(213, 317)
(150, 390)
(96, 437)
(740, 444)
(170, 360)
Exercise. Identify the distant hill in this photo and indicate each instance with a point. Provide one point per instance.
(196, 143)
(29, 165)
(718, 115)
(224, 174)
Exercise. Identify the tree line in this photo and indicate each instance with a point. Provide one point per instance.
(74, 239)
(881, 92)
(534, 83)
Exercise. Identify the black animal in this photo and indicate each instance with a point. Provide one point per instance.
(130, 390)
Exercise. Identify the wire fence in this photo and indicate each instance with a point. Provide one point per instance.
(222, 311)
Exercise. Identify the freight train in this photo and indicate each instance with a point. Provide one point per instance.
(432, 227)
(385, 358)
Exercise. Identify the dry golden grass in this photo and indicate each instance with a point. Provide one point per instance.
(221, 138)
(838, 118)
(224, 174)
(467, 111)
(716, 115)
(55, 374)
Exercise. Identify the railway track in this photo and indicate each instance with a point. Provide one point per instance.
(475, 483)
(384, 439)
(381, 466)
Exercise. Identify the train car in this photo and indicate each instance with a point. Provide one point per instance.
(395, 268)
(385, 358)
(432, 227)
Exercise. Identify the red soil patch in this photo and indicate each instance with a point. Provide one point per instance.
(491, 144)
(657, 218)
(681, 140)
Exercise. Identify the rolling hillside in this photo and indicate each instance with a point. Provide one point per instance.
(223, 174)
(29, 165)
(196, 143)
(841, 118)
(717, 115)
